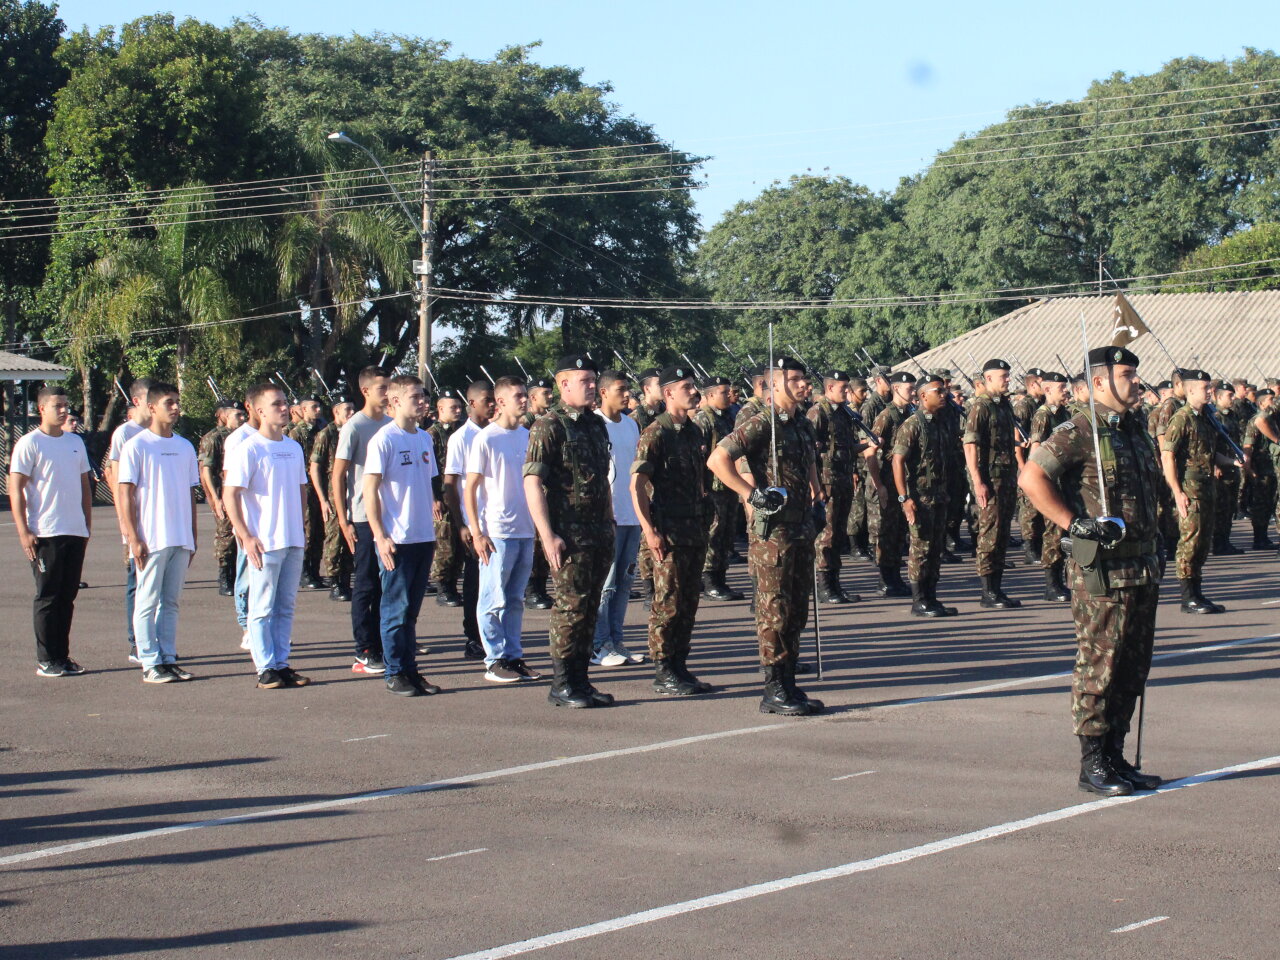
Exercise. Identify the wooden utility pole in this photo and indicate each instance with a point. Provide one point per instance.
(423, 267)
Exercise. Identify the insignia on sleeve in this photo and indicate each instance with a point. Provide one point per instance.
(1065, 425)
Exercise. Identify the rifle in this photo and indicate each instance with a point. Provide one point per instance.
(213, 388)
(320, 377)
(128, 400)
(293, 397)
(625, 366)
(742, 371)
(488, 375)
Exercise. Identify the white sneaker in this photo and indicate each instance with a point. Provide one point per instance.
(244, 641)
(628, 657)
(606, 657)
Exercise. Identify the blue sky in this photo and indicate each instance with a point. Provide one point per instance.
(773, 89)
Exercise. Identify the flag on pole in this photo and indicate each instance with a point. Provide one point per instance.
(1126, 325)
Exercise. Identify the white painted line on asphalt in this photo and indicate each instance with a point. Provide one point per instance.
(376, 736)
(846, 869)
(1139, 925)
(354, 799)
(460, 853)
(850, 776)
(1267, 603)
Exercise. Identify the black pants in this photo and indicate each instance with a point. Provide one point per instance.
(366, 595)
(470, 597)
(57, 567)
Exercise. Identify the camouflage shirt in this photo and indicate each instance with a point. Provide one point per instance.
(753, 407)
(440, 434)
(645, 415)
(1164, 413)
(885, 427)
(324, 448)
(838, 443)
(921, 442)
(569, 452)
(716, 425)
(1024, 409)
(796, 455)
(674, 458)
(1264, 451)
(305, 433)
(1048, 418)
(990, 429)
(872, 407)
(211, 446)
(1193, 441)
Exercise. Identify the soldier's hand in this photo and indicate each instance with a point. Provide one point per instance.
(553, 549)
(1183, 503)
(326, 511)
(657, 544)
(909, 510)
(1106, 532)
(437, 512)
(981, 493)
(216, 506)
(768, 501)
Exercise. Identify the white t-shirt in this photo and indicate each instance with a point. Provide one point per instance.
(122, 435)
(353, 446)
(272, 474)
(406, 462)
(163, 470)
(236, 437)
(455, 462)
(498, 455)
(624, 437)
(55, 495)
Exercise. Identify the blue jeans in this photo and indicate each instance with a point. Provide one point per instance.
(366, 592)
(500, 606)
(242, 589)
(155, 612)
(274, 589)
(130, 595)
(617, 588)
(402, 591)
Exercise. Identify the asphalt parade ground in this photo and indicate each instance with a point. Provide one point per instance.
(932, 812)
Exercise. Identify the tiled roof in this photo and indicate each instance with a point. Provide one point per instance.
(14, 366)
(1231, 334)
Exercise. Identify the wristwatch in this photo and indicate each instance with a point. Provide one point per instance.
(901, 498)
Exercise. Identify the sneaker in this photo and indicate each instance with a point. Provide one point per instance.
(500, 672)
(626, 654)
(606, 657)
(292, 678)
(50, 668)
(177, 671)
(72, 668)
(134, 658)
(402, 686)
(423, 649)
(244, 640)
(157, 675)
(474, 650)
(270, 680)
(368, 664)
(526, 672)
(425, 686)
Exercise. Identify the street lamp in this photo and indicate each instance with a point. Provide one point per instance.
(425, 232)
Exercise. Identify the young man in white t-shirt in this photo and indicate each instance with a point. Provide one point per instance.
(265, 495)
(51, 499)
(624, 436)
(136, 420)
(501, 532)
(479, 413)
(156, 489)
(236, 437)
(401, 483)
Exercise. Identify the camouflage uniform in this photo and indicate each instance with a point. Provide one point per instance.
(921, 442)
(722, 503)
(781, 546)
(1227, 494)
(838, 450)
(1194, 444)
(312, 519)
(1168, 511)
(952, 419)
(643, 416)
(1262, 501)
(990, 428)
(1245, 410)
(446, 566)
(674, 458)
(336, 560)
(753, 407)
(1043, 423)
(869, 512)
(224, 540)
(887, 524)
(1114, 596)
(1030, 523)
(569, 452)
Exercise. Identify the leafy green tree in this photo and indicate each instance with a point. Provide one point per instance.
(1238, 258)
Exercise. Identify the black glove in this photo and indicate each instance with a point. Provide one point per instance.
(1106, 532)
(766, 501)
(819, 516)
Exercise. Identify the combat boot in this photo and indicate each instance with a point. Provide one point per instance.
(448, 595)
(311, 579)
(948, 556)
(535, 595)
(1192, 602)
(933, 603)
(891, 584)
(341, 590)
(579, 670)
(993, 596)
(680, 665)
(1260, 539)
(667, 680)
(565, 692)
(830, 591)
(920, 601)
(789, 671)
(1096, 773)
(225, 580)
(860, 549)
(1199, 593)
(1113, 746)
(1054, 588)
(719, 590)
(1030, 552)
(779, 697)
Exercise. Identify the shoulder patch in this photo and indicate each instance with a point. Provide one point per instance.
(1065, 425)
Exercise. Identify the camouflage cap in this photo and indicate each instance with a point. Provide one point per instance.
(880, 370)
(941, 372)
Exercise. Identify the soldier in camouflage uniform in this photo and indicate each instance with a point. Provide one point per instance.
(644, 414)
(535, 593)
(336, 560)
(211, 444)
(952, 418)
(1170, 405)
(1051, 415)
(1227, 482)
(669, 488)
(566, 481)
(989, 440)
(446, 565)
(1030, 523)
(919, 473)
(715, 423)
(888, 525)
(1115, 575)
(756, 404)
(857, 540)
(1245, 408)
(1190, 450)
(880, 396)
(309, 425)
(1260, 454)
(782, 529)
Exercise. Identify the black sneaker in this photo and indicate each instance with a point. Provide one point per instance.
(71, 668)
(177, 671)
(425, 686)
(367, 663)
(402, 686)
(50, 668)
(474, 650)
(270, 680)
(292, 678)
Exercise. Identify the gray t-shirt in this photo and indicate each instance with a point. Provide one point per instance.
(353, 446)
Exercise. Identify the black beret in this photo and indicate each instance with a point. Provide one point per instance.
(761, 371)
(236, 405)
(788, 363)
(996, 364)
(310, 397)
(577, 361)
(1112, 356)
(836, 376)
(1201, 375)
(674, 374)
(543, 382)
(226, 403)
(445, 394)
(1266, 392)
(930, 378)
(1053, 376)
(717, 382)
(1035, 372)
(903, 376)
(1164, 385)
(1224, 385)
(941, 372)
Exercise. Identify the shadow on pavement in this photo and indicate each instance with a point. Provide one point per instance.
(121, 946)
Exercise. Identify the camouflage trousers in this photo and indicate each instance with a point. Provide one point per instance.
(578, 584)
(833, 541)
(336, 560)
(887, 527)
(224, 542)
(1262, 503)
(644, 562)
(676, 581)
(1195, 536)
(1051, 544)
(958, 491)
(858, 505)
(928, 535)
(783, 574)
(539, 572)
(1115, 635)
(1168, 516)
(993, 525)
(1031, 525)
(720, 531)
(1227, 495)
(447, 565)
(314, 531)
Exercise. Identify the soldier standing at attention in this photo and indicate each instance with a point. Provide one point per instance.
(756, 403)
(888, 525)
(880, 396)
(1190, 452)
(1258, 452)
(920, 475)
(648, 409)
(782, 530)
(1226, 479)
(715, 422)
(1030, 523)
(952, 416)
(335, 562)
(566, 482)
(446, 566)
(1171, 404)
(992, 466)
(1048, 418)
(224, 541)
(305, 431)
(838, 449)
(859, 546)
(1115, 573)
(541, 394)
(669, 489)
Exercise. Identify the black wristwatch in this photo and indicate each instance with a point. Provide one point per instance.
(901, 498)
